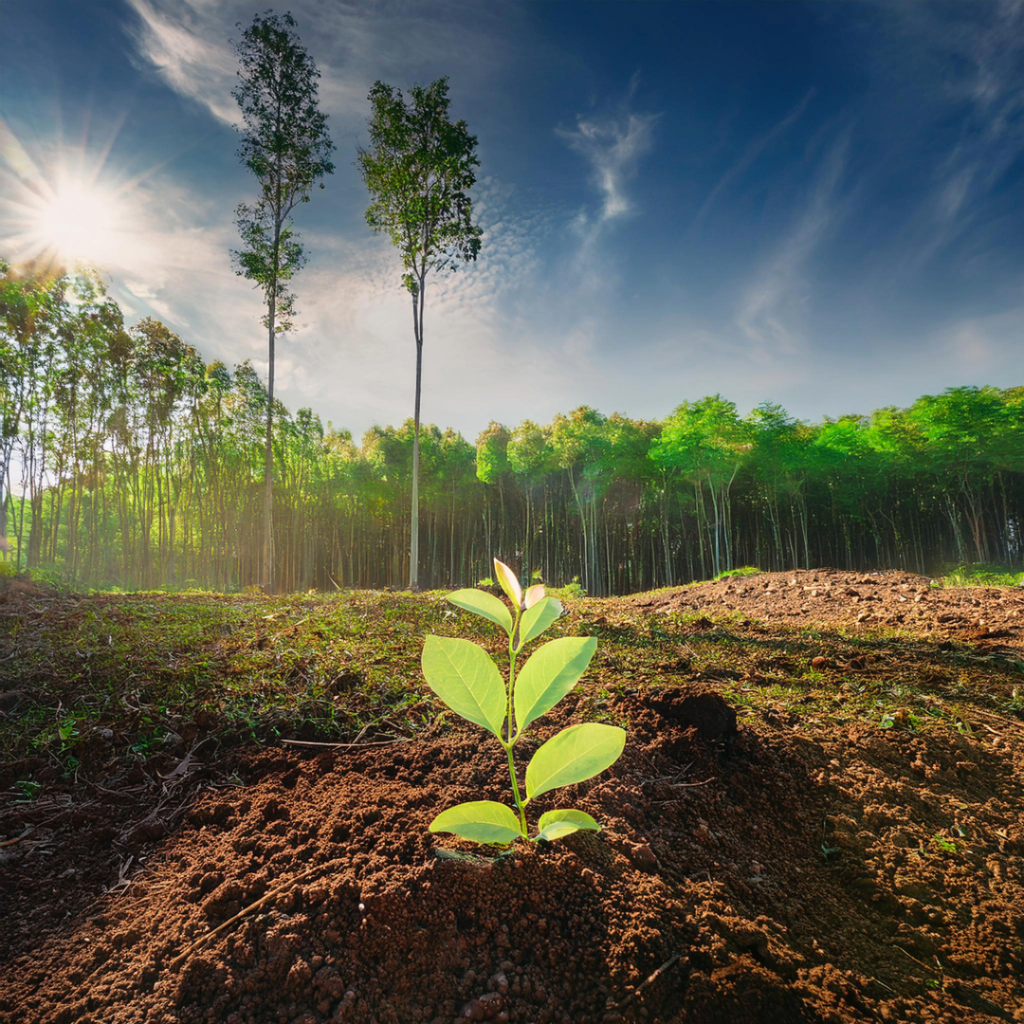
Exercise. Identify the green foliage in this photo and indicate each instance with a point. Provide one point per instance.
(555, 824)
(464, 677)
(537, 618)
(419, 169)
(285, 144)
(577, 753)
(572, 591)
(492, 454)
(486, 605)
(743, 570)
(551, 672)
(980, 575)
(28, 790)
(482, 821)
(127, 462)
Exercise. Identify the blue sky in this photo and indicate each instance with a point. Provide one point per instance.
(819, 204)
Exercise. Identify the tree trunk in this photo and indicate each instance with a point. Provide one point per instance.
(414, 535)
(268, 460)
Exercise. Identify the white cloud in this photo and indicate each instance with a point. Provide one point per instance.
(949, 71)
(613, 147)
(140, 289)
(195, 62)
(539, 323)
(188, 43)
(773, 308)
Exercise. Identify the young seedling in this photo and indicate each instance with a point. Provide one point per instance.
(463, 675)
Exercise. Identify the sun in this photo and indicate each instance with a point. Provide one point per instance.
(79, 223)
(67, 210)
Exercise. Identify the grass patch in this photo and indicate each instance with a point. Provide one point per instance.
(127, 674)
(980, 574)
(743, 570)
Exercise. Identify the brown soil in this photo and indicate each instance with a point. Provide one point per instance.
(743, 875)
(866, 601)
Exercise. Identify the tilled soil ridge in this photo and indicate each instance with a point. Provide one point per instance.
(873, 600)
(770, 877)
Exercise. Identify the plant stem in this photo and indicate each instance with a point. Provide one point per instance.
(508, 728)
(515, 790)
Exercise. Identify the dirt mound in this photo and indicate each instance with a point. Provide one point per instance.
(874, 600)
(741, 876)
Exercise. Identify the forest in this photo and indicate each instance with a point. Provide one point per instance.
(127, 461)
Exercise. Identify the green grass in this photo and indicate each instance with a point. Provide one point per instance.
(743, 570)
(252, 669)
(980, 575)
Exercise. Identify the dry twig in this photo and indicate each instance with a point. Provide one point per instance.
(649, 980)
(276, 891)
(346, 746)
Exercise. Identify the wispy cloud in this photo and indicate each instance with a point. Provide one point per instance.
(917, 129)
(750, 154)
(612, 146)
(188, 43)
(510, 264)
(958, 70)
(196, 63)
(773, 307)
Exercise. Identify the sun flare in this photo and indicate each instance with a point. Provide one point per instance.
(67, 210)
(79, 223)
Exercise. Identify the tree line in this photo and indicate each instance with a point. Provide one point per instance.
(126, 460)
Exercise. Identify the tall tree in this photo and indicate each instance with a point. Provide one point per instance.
(419, 170)
(285, 143)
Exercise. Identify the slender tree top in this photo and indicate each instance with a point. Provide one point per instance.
(284, 134)
(419, 170)
(286, 145)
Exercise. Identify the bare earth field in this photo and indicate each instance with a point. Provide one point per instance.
(819, 816)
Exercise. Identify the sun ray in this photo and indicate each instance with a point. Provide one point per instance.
(72, 213)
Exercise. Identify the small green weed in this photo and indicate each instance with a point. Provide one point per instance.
(572, 591)
(28, 790)
(743, 570)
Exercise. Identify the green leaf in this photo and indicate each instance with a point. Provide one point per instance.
(465, 678)
(575, 754)
(555, 824)
(482, 821)
(509, 583)
(536, 619)
(479, 602)
(549, 675)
